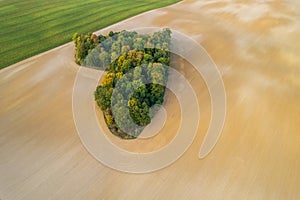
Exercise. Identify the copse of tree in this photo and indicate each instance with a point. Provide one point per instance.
(84, 44)
(136, 64)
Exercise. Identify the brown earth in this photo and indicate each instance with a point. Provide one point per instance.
(255, 45)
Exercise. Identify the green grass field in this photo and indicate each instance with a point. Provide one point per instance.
(32, 26)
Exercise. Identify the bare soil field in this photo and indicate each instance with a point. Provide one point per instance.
(255, 45)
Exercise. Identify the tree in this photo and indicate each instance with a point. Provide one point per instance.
(111, 33)
(108, 80)
(109, 118)
(103, 97)
(104, 59)
(84, 44)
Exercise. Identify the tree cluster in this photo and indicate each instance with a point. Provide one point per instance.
(134, 84)
(86, 43)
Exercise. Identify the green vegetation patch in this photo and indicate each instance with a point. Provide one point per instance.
(33, 26)
(137, 71)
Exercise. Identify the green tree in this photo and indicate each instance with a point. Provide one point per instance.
(104, 59)
(121, 52)
(103, 97)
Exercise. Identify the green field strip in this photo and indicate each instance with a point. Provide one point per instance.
(59, 26)
(55, 22)
(49, 15)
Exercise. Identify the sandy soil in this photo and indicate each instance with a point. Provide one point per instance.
(256, 46)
